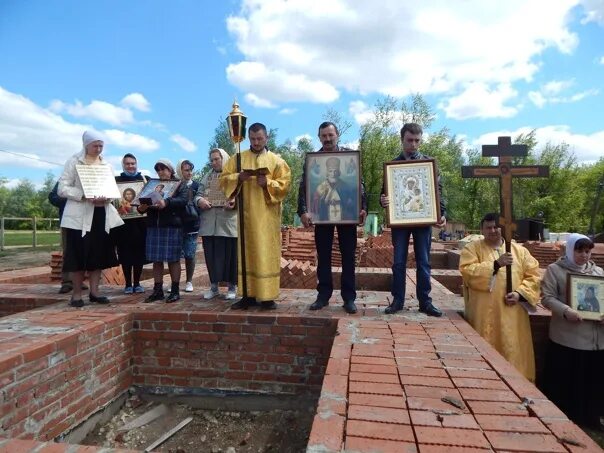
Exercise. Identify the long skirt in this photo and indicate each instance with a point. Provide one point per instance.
(221, 258)
(130, 239)
(164, 244)
(573, 382)
(93, 251)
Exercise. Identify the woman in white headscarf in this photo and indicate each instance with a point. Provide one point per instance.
(88, 222)
(574, 368)
(218, 229)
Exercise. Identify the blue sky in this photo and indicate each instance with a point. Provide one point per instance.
(156, 77)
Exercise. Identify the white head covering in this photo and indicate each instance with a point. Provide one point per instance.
(570, 245)
(225, 156)
(166, 162)
(91, 136)
(179, 170)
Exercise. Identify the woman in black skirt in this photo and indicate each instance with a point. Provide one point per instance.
(218, 229)
(88, 222)
(130, 238)
(164, 234)
(574, 370)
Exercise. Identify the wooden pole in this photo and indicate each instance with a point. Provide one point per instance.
(2, 233)
(35, 239)
(241, 226)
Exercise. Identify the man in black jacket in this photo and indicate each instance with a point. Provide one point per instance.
(347, 235)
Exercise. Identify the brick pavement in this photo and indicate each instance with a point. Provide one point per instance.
(391, 383)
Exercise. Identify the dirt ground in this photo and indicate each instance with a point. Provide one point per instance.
(212, 431)
(22, 258)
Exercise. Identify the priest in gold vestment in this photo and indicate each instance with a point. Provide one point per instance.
(498, 317)
(262, 197)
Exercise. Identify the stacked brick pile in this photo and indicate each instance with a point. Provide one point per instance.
(298, 274)
(56, 262)
(545, 252)
(300, 245)
(113, 276)
(548, 252)
(378, 251)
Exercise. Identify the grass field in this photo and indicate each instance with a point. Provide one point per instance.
(25, 238)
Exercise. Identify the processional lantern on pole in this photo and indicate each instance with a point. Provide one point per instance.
(236, 122)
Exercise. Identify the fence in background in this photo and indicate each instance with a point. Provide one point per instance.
(35, 222)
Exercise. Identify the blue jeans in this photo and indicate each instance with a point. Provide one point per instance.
(422, 239)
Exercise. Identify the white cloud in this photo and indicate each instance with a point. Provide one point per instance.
(601, 60)
(287, 111)
(587, 147)
(279, 85)
(136, 101)
(97, 110)
(38, 133)
(556, 86)
(594, 11)
(129, 140)
(184, 143)
(362, 114)
(351, 145)
(551, 93)
(478, 100)
(360, 111)
(310, 51)
(537, 98)
(300, 137)
(256, 101)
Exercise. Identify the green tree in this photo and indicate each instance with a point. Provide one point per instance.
(294, 156)
(47, 210)
(342, 124)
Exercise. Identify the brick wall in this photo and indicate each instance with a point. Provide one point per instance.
(255, 352)
(10, 306)
(53, 384)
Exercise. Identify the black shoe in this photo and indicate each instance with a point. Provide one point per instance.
(65, 288)
(318, 304)
(76, 303)
(268, 305)
(244, 303)
(350, 307)
(431, 310)
(393, 308)
(155, 295)
(98, 299)
(173, 297)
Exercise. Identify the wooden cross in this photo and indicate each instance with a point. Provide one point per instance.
(505, 171)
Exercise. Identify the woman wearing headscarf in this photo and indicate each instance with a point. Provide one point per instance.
(164, 234)
(575, 357)
(88, 222)
(218, 230)
(190, 227)
(131, 237)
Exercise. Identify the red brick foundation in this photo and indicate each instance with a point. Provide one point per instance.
(256, 352)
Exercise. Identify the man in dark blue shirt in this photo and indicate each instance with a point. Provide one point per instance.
(411, 138)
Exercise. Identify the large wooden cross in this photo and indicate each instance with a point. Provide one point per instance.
(505, 171)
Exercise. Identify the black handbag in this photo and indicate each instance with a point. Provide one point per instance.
(191, 211)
